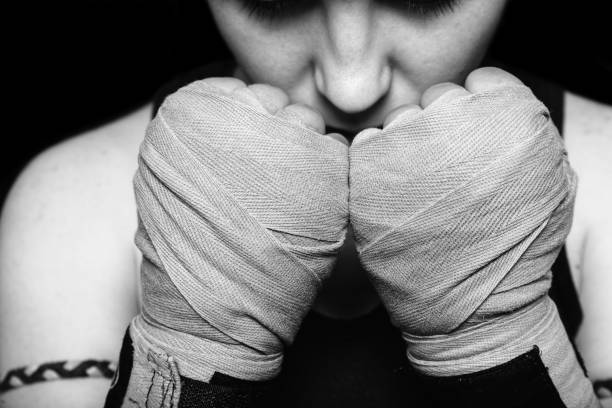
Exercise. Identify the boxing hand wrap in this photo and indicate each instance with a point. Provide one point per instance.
(459, 212)
(241, 215)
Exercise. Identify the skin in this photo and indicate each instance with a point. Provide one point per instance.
(347, 59)
(341, 63)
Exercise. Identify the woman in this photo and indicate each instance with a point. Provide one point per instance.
(69, 220)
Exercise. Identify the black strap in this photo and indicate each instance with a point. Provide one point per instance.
(57, 370)
(222, 391)
(522, 382)
(119, 385)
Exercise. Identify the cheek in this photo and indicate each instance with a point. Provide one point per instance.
(421, 53)
(278, 57)
(449, 48)
(265, 60)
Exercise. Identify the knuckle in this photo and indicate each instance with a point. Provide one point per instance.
(304, 114)
(445, 85)
(249, 97)
(225, 84)
(489, 76)
(271, 90)
(435, 91)
(271, 97)
(441, 87)
(485, 72)
(306, 111)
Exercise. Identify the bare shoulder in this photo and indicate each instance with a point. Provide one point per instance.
(68, 286)
(86, 165)
(588, 129)
(588, 138)
(588, 134)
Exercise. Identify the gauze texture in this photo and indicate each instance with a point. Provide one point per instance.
(241, 215)
(459, 212)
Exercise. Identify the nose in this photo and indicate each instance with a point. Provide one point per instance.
(351, 69)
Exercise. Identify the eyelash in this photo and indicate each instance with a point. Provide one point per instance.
(271, 9)
(274, 9)
(429, 8)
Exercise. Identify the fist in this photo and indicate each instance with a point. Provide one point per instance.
(480, 80)
(242, 207)
(272, 100)
(446, 200)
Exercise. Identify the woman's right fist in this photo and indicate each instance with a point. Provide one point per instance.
(270, 99)
(243, 206)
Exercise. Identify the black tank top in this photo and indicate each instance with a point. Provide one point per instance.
(361, 362)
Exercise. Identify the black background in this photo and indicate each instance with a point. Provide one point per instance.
(74, 65)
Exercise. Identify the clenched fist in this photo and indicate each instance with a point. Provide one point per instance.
(243, 206)
(460, 206)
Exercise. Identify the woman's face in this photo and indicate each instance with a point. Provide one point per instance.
(356, 60)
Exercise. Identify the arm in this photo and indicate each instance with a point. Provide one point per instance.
(234, 241)
(589, 143)
(477, 245)
(67, 264)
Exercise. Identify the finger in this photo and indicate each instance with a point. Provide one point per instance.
(444, 91)
(304, 116)
(338, 137)
(249, 97)
(365, 135)
(225, 84)
(488, 78)
(271, 97)
(402, 111)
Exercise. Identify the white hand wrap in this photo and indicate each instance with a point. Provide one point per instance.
(459, 212)
(241, 216)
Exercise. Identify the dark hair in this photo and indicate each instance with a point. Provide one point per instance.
(100, 59)
(560, 41)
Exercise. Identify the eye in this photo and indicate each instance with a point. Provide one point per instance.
(423, 8)
(428, 8)
(276, 9)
